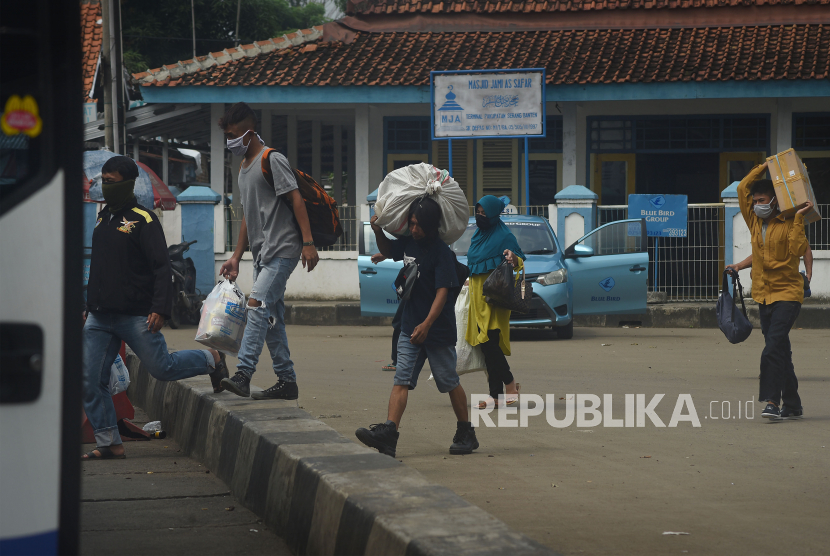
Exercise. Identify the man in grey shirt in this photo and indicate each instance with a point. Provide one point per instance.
(276, 227)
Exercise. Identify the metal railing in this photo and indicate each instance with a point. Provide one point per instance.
(818, 233)
(532, 210)
(348, 220)
(686, 268)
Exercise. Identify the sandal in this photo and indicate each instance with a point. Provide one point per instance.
(105, 453)
(513, 399)
(390, 367)
(484, 403)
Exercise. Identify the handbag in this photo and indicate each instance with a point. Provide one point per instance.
(733, 323)
(503, 290)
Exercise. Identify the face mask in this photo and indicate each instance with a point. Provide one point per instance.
(482, 221)
(237, 147)
(117, 195)
(764, 211)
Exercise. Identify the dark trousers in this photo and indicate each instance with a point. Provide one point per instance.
(778, 378)
(498, 371)
(396, 331)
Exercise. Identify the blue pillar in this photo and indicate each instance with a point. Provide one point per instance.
(197, 224)
(730, 199)
(575, 199)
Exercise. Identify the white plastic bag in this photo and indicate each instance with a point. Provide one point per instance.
(402, 186)
(119, 377)
(223, 319)
(469, 358)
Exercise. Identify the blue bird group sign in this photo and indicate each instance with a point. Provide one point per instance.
(488, 104)
(665, 215)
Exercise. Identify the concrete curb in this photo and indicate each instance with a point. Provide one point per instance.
(672, 315)
(320, 492)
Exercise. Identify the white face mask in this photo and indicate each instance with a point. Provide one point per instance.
(237, 147)
(764, 211)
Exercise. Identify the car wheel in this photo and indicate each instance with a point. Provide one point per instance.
(565, 332)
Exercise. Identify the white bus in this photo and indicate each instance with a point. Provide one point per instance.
(40, 276)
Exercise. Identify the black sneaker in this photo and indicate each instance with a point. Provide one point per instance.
(464, 441)
(220, 372)
(239, 384)
(771, 412)
(383, 437)
(787, 413)
(280, 391)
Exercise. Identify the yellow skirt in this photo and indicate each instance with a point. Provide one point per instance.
(484, 317)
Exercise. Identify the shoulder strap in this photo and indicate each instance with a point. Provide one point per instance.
(143, 213)
(266, 166)
(739, 291)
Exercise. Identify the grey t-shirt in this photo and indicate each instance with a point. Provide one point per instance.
(272, 229)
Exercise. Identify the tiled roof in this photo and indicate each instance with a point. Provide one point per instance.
(184, 67)
(91, 38)
(590, 56)
(532, 6)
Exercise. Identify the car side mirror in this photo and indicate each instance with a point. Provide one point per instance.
(576, 251)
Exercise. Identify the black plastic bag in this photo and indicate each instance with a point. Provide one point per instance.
(501, 288)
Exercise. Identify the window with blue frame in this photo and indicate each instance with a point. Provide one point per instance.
(811, 131)
(407, 135)
(552, 142)
(690, 133)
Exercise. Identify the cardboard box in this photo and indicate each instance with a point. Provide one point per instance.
(792, 185)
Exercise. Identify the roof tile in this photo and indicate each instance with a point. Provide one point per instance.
(571, 56)
(389, 7)
(91, 38)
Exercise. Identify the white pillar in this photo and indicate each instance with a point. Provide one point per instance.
(376, 164)
(165, 163)
(337, 184)
(292, 140)
(316, 156)
(265, 124)
(362, 157)
(569, 156)
(352, 169)
(136, 145)
(217, 149)
(784, 125)
(581, 146)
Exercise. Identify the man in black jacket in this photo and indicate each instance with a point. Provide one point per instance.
(129, 296)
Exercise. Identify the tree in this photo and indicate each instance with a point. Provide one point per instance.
(158, 32)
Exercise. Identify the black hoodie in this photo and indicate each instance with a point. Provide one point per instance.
(130, 268)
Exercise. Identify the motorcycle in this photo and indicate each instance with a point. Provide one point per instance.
(186, 298)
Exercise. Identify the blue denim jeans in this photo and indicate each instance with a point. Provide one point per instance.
(103, 333)
(411, 359)
(266, 323)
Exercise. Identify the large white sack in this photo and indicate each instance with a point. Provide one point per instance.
(401, 187)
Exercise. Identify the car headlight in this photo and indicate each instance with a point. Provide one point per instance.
(555, 277)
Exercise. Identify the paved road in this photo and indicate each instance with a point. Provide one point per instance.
(158, 502)
(737, 486)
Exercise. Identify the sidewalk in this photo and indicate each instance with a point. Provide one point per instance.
(665, 315)
(158, 501)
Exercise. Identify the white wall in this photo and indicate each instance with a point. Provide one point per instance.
(334, 278)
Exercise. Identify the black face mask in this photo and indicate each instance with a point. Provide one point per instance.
(482, 221)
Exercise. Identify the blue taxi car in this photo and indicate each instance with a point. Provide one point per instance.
(604, 272)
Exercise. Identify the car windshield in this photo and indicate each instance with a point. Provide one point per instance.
(534, 238)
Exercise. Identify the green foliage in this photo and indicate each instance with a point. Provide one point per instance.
(158, 32)
(341, 4)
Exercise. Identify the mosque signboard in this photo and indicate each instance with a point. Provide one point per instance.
(492, 103)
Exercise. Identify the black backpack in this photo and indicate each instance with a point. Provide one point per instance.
(733, 323)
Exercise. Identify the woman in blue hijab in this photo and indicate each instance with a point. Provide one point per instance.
(489, 325)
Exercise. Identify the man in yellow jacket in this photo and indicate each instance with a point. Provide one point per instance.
(777, 245)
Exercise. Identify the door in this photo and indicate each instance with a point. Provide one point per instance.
(613, 177)
(734, 166)
(377, 281)
(608, 269)
(41, 242)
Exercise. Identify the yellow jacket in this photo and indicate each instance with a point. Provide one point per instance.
(775, 275)
(484, 317)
